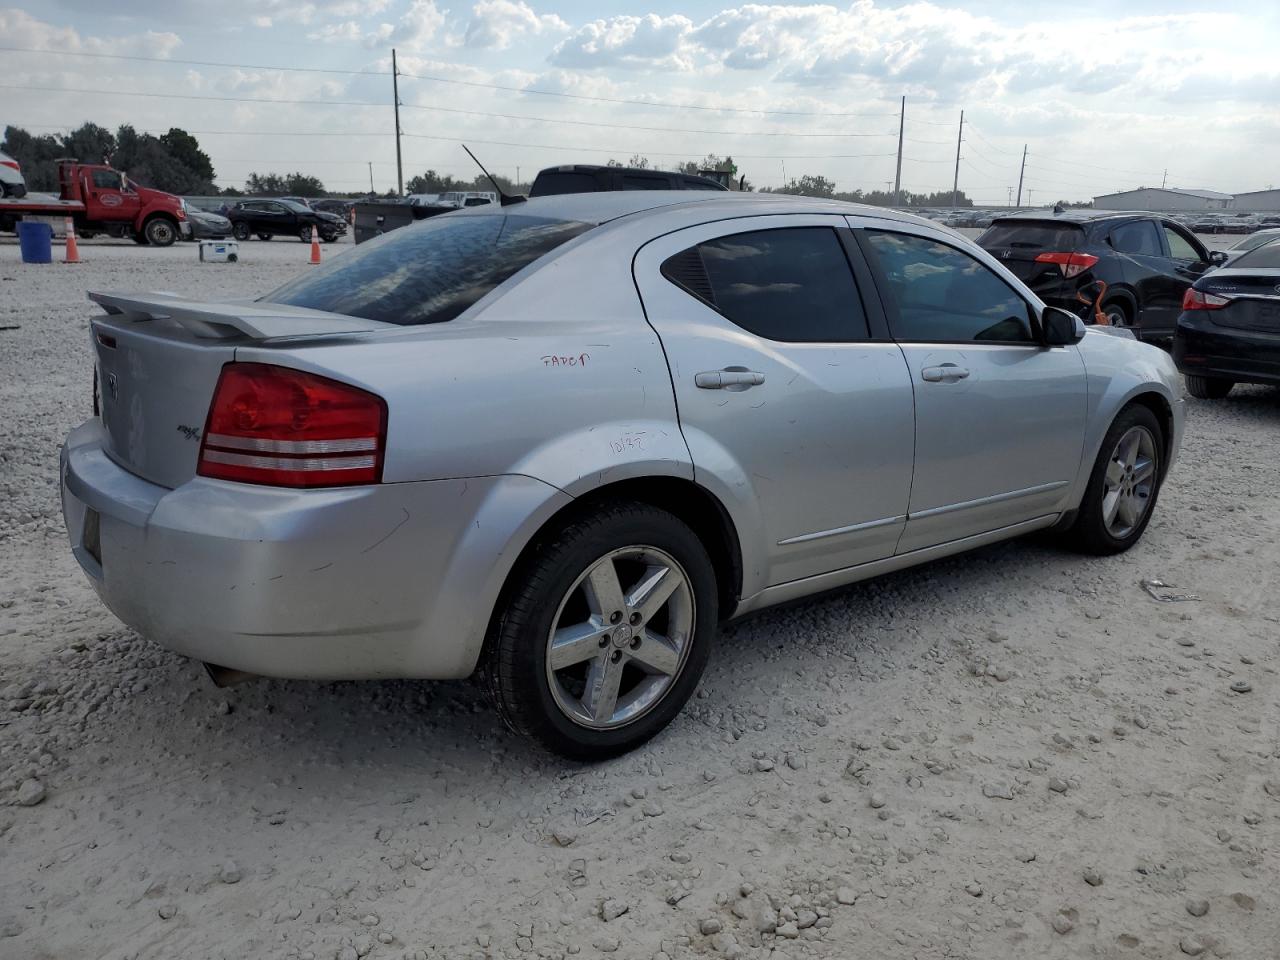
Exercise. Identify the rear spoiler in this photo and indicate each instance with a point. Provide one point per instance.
(250, 318)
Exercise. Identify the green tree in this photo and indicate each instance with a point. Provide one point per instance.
(284, 185)
(185, 149)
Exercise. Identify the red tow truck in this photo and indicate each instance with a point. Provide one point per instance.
(102, 200)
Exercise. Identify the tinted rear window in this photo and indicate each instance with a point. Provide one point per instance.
(551, 184)
(1031, 236)
(428, 272)
(1267, 257)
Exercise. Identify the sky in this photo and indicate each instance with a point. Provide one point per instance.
(1103, 96)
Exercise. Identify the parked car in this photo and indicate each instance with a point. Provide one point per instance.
(1251, 242)
(12, 183)
(1205, 223)
(206, 225)
(1240, 223)
(1229, 330)
(559, 442)
(270, 218)
(589, 178)
(1132, 267)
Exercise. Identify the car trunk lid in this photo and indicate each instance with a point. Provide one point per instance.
(1254, 296)
(158, 359)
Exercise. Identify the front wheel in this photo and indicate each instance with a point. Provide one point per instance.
(604, 632)
(240, 231)
(1208, 388)
(304, 234)
(1123, 486)
(160, 232)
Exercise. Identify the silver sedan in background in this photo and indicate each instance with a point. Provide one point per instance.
(560, 441)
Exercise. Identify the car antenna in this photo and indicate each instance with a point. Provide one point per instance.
(504, 198)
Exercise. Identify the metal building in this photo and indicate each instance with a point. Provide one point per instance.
(1159, 198)
(1261, 201)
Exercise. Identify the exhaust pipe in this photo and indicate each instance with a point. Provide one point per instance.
(226, 677)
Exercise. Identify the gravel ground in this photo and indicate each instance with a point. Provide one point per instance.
(1016, 753)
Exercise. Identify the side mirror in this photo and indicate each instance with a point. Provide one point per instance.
(1217, 257)
(1060, 328)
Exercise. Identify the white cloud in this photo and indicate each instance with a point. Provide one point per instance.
(20, 29)
(498, 23)
(650, 42)
(414, 29)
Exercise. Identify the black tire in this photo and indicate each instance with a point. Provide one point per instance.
(304, 233)
(161, 232)
(328, 237)
(232, 258)
(1117, 313)
(515, 666)
(1089, 533)
(1208, 388)
(240, 231)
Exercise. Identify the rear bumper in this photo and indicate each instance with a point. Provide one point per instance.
(392, 580)
(1202, 348)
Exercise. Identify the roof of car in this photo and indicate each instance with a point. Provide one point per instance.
(601, 207)
(1075, 216)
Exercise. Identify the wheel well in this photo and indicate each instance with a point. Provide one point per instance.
(1126, 301)
(159, 216)
(694, 505)
(1159, 406)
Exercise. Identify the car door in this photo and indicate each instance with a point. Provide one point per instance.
(1149, 272)
(1000, 419)
(276, 218)
(111, 197)
(795, 404)
(1188, 262)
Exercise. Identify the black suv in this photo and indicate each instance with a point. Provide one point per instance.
(285, 218)
(588, 178)
(1133, 268)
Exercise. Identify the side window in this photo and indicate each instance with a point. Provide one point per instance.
(793, 284)
(1138, 239)
(940, 294)
(106, 180)
(1179, 247)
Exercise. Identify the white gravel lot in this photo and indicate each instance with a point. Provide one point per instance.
(1015, 753)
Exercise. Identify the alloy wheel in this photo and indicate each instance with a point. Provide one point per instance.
(620, 637)
(1129, 482)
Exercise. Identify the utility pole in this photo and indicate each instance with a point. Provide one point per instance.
(1165, 179)
(395, 95)
(897, 177)
(1021, 172)
(955, 184)
(517, 176)
(784, 174)
(371, 190)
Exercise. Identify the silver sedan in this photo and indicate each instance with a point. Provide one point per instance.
(558, 442)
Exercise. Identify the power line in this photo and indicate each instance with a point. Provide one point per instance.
(455, 110)
(451, 80)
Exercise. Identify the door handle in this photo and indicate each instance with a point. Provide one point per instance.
(730, 378)
(945, 373)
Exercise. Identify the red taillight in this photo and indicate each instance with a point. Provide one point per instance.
(13, 164)
(283, 427)
(1195, 299)
(1071, 264)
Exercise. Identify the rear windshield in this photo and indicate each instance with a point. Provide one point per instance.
(551, 184)
(428, 272)
(1266, 256)
(1031, 236)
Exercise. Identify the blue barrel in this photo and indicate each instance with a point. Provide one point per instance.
(36, 241)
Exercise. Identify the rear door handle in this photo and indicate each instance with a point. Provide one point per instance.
(730, 378)
(945, 373)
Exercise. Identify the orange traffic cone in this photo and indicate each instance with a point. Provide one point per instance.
(73, 250)
(315, 244)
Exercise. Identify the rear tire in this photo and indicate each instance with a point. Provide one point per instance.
(1117, 314)
(240, 231)
(633, 665)
(1123, 486)
(1208, 388)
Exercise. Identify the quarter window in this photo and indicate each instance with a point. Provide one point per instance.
(792, 284)
(939, 294)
